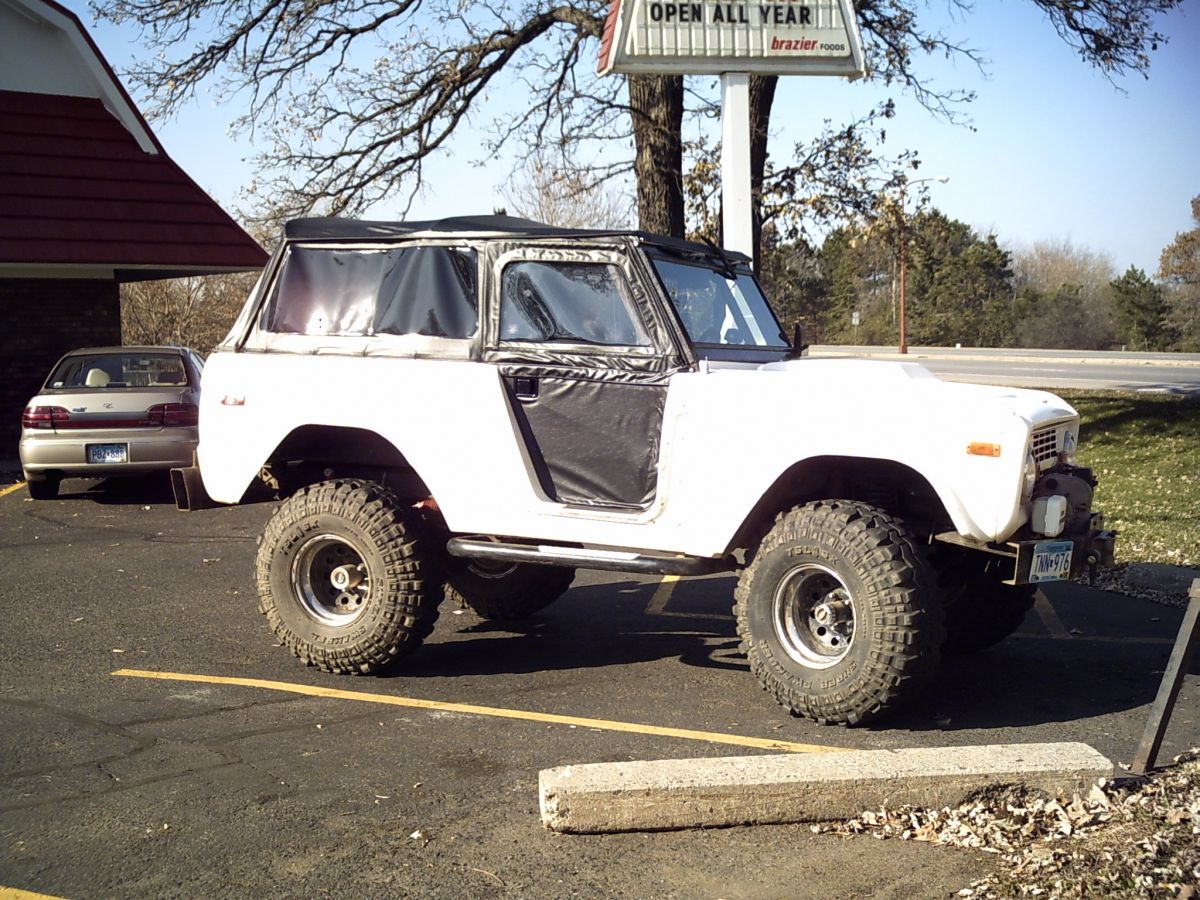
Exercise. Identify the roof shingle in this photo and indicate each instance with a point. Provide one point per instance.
(75, 188)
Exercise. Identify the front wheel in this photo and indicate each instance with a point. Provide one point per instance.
(344, 577)
(838, 613)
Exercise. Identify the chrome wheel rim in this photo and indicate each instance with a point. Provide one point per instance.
(331, 580)
(814, 618)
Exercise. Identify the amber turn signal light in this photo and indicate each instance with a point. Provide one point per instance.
(979, 448)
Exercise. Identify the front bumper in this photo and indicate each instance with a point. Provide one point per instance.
(1093, 548)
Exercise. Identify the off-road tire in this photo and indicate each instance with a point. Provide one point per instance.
(362, 528)
(42, 489)
(507, 591)
(980, 610)
(860, 562)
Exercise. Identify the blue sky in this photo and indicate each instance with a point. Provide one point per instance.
(1057, 152)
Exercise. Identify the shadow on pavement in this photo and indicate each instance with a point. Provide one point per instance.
(591, 626)
(153, 489)
(1111, 663)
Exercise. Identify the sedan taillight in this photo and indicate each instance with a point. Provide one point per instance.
(44, 417)
(174, 415)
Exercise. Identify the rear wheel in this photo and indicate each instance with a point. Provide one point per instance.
(838, 613)
(344, 577)
(503, 590)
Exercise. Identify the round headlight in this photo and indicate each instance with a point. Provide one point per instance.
(1030, 476)
(1067, 455)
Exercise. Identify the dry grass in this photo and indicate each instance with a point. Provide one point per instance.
(1145, 451)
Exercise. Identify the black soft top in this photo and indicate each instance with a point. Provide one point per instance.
(333, 229)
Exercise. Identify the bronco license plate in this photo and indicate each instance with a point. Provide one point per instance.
(1051, 561)
(107, 453)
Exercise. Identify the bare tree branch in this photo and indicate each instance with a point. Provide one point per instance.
(356, 94)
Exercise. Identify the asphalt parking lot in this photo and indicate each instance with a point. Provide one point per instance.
(154, 741)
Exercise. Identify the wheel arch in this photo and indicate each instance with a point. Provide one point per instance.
(887, 484)
(308, 451)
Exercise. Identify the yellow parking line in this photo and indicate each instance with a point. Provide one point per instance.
(7, 893)
(4, 492)
(662, 594)
(1049, 617)
(715, 737)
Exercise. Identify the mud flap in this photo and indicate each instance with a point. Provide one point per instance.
(188, 488)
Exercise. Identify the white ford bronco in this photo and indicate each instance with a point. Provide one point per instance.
(473, 408)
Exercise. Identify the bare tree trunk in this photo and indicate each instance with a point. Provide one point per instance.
(762, 95)
(657, 103)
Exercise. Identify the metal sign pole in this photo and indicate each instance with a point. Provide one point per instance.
(732, 38)
(737, 210)
(1172, 681)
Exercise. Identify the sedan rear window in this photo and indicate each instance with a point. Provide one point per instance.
(119, 370)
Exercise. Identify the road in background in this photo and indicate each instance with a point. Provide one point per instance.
(1176, 373)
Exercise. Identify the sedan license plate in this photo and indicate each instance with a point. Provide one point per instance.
(1051, 561)
(107, 453)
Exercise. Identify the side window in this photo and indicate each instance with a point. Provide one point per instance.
(406, 290)
(571, 302)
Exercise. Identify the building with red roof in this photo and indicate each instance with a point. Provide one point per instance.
(88, 199)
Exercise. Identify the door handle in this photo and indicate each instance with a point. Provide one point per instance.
(525, 387)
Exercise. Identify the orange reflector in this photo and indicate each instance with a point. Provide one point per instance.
(979, 448)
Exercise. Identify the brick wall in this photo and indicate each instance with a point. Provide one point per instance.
(40, 320)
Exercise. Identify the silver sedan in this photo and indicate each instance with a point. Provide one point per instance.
(110, 411)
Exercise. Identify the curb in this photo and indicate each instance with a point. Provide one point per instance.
(759, 790)
(920, 354)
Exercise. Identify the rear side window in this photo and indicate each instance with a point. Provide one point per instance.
(411, 290)
(569, 302)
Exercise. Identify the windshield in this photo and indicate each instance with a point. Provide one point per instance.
(717, 309)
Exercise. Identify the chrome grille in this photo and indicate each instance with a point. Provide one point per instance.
(1045, 445)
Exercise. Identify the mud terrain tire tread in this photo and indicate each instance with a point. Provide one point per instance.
(898, 628)
(405, 585)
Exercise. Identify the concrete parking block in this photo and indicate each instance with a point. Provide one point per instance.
(749, 790)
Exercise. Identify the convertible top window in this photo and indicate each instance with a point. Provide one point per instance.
(568, 302)
(403, 290)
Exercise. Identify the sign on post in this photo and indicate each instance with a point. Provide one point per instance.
(771, 37)
(733, 39)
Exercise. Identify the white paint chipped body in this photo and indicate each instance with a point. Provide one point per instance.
(728, 435)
